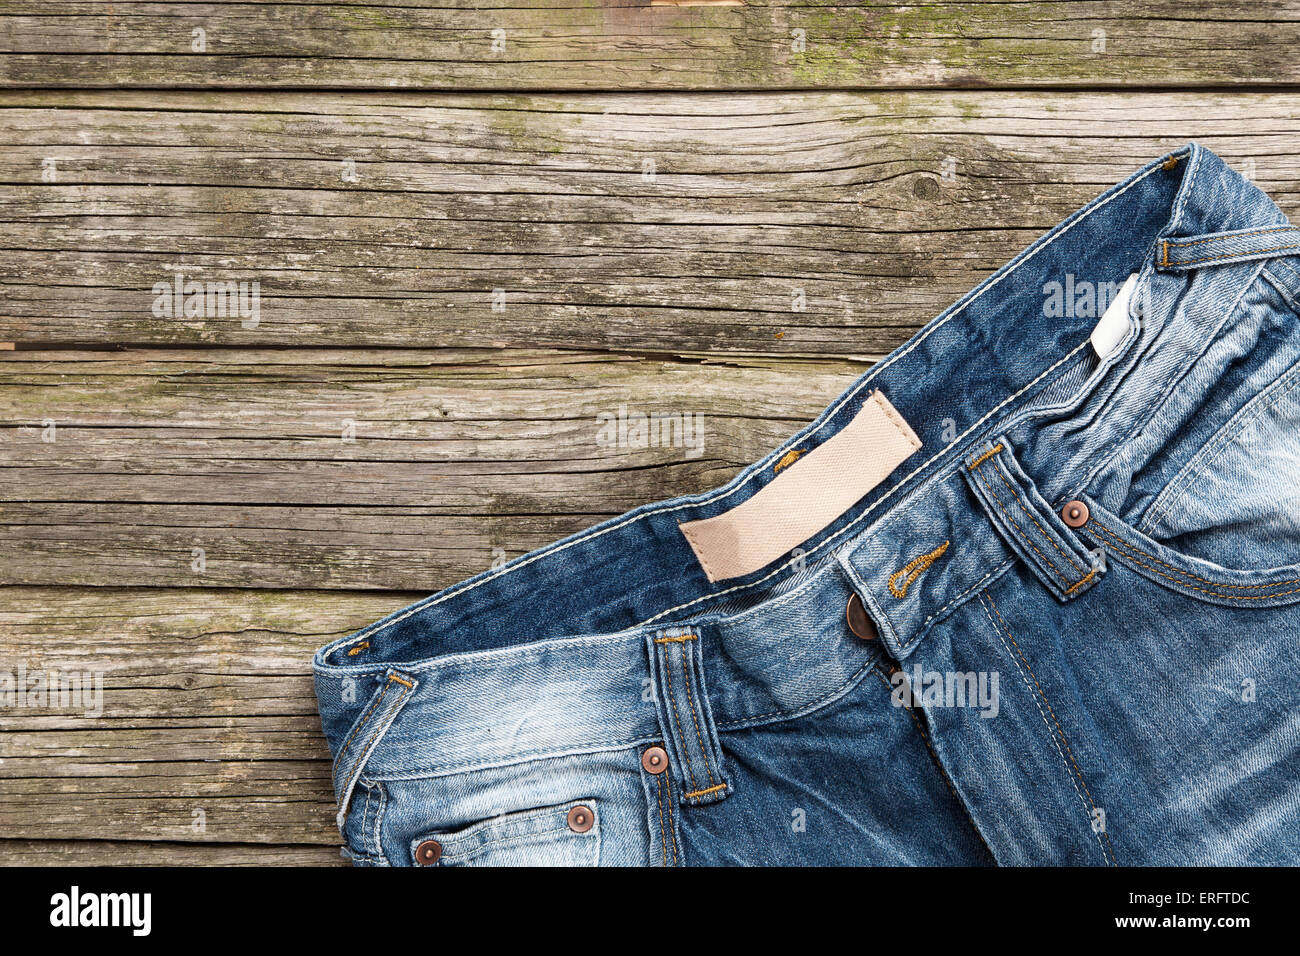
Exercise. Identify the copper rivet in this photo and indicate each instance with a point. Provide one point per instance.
(1075, 514)
(860, 622)
(654, 760)
(581, 819)
(428, 852)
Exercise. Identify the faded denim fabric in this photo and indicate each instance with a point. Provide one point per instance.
(1116, 690)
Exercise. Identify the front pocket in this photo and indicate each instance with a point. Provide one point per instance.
(541, 837)
(1195, 577)
(1245, 474)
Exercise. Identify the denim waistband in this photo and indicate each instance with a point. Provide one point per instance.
(616, 636)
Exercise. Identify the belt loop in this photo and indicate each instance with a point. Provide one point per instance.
(1027, 523)
(695, 754)
(366, 733)
(1185, 253)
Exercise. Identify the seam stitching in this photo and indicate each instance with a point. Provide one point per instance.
(690, 700)
(672, 827)
(365, 816)
(663, 835)
(1283, 264)
(706, 791)
(1025, 508)
(676, 724)
(357, 729)
(345, 784)
(1251, 412)
(1176, 570)
(1183, 584)
(1251, 254)
(505, 828)
(452, 851)
(1082, 581)
(914, 569)
(1039, 707)
(895, 419)
(376, 731)
(924, 737)
(920, 726)
(1186, 187)
(379, 818)
(1225, 237)
(965, 595)
(1056, 720)
(1019, 531)
(1015, 493)
(1285, 284)
(985, 457)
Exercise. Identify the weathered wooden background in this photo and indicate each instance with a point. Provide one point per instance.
(725, 208)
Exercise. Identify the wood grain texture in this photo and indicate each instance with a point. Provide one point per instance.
(560, 44)
(778, 224)
(128, 853)
(340, 469)
(208, 729)
(684, 210)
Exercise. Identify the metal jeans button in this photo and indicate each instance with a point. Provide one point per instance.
(581, 819)
(428, 852)
(860, 622)
(654, 760)
(1075, 514)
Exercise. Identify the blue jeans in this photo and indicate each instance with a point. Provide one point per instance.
(1022, 595)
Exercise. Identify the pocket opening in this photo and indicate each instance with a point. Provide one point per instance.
(1195, 577)
(544, 836)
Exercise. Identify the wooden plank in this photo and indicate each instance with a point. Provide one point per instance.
(189, 674)
(390, 218)
(562, 44)
(407, 469)
(206, 729)
(266, 802)
(772, 223)
(124, 853)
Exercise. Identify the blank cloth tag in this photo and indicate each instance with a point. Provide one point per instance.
(806, 495)
(1114, 325)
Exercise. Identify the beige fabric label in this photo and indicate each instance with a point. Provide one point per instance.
(809, 492)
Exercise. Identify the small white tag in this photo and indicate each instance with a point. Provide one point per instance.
(1114, 325)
